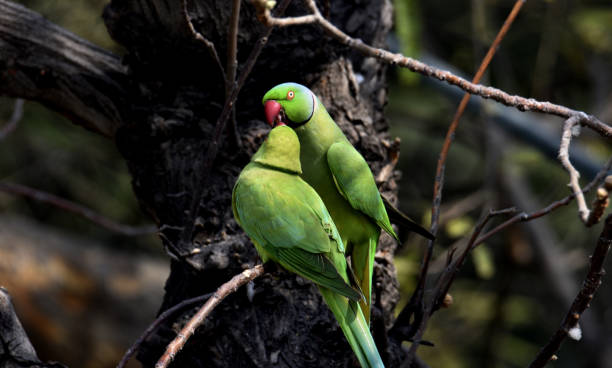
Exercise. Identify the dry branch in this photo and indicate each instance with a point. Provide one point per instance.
(212, 50)
(76, 208)
(188, 330)
(230, 100)
(568, 132)
(158, 321)
(521, 103)
(523, 217)
(417, 297)
(601, 202)
(43, 62)
(582, 300)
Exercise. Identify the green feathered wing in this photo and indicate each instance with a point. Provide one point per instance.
(355, 182)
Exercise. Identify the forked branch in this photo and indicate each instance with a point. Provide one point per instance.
(582, 301)
(189, 329)
(521, 103)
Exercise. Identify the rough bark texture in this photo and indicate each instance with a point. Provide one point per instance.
(43, 62)
(175, 92)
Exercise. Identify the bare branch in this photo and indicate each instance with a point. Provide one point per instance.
(601, 202)
(582, 300)
(213, 148)
(14, 119)
(450, 134)
(523, 217)
(188, 330)
(568, 132)
(232, 62)
(76, 208)
(293, 21)
(521, 103)
(43, 62)
(158, 321)
(198, 36)
(448, 276)
(439, 181)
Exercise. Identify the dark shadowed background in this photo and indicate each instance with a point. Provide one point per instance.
(84, 293)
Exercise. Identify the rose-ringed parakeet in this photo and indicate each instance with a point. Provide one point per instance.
(289, 224)
(339, 174)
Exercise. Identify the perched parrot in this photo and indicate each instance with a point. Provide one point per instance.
(289, 224)
(340, 175)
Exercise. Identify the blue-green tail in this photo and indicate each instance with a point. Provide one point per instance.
(355, 328)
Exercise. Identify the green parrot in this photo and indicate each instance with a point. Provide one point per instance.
(340, 175)
(289, 224)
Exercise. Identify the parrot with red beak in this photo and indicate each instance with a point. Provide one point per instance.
(289, 224)
(340, 175)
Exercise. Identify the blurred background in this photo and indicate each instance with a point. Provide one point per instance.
(84, 293)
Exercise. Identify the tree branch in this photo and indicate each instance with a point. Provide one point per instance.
(188, 330)
(582, 300)
(43, 62)
(523, 217)
(158, 321)
(568, 132)
(232, 63)
(76, 208)
(441, 168)
(230, 100)
(521, 103)
(198, 36)
(417, 297)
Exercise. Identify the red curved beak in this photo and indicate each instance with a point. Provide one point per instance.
(272, 109)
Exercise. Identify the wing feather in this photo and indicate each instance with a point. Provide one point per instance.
(355, 181)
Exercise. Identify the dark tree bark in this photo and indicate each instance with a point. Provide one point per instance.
(161, 102)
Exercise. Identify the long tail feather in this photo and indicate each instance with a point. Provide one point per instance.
(355, 328)
(362, 260)
(398, 217)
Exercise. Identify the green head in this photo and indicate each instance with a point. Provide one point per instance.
(289, 104)
(281, 150)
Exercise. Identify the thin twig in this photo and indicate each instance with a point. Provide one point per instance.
(188, 330)
(568, 132)
(13, 120)
(198, 36)
(414, 311)
(418, 295)
(76, 208)
(523, 217)
(600, 203)
(232, 63)
(450, 134)
(582, 300)
(448, 276)
(213, 148)
(521, 103)
(158, 321)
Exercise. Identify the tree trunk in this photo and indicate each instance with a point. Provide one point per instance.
(161, 103)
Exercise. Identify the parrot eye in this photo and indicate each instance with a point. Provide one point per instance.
(290, 95)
